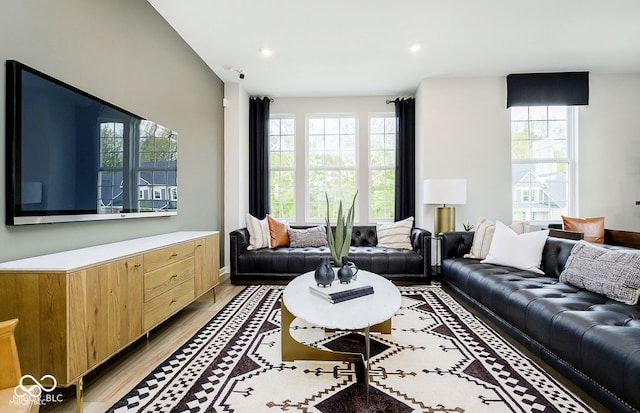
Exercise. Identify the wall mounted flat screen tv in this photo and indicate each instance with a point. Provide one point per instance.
(71, 156)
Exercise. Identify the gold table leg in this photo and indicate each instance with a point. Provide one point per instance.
(294, 350)
(79, 395)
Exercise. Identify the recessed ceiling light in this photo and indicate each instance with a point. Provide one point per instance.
(415, 47)
(265, 51)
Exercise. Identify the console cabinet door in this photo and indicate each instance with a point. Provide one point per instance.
(207, 271)
(111, 296)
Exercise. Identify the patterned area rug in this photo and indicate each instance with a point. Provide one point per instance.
(438, 358)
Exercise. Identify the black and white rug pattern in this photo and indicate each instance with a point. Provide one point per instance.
(438, 358)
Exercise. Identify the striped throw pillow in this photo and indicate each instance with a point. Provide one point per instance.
(396, 234)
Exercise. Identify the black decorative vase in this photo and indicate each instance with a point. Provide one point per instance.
(346, 273)
(324, 274)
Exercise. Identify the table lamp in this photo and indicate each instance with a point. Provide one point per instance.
(445, 191)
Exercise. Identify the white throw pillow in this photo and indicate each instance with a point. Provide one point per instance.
(484, 234)
(258, 232)
(522, 251)
(395, 234)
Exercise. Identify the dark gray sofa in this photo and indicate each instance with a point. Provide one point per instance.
(279, 265)
(592, 340)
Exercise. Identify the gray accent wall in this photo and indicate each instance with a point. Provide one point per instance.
(124, 52)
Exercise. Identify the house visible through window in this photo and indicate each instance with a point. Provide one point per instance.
(542, 159)
(157, 167)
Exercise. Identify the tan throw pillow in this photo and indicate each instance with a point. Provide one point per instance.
(592, 228)
(484, 235)
(278, 233)
(258, 232)
(395, 234)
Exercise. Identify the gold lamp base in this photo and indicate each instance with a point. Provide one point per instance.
(445, 220)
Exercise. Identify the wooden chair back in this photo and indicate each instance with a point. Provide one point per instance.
(9, 362)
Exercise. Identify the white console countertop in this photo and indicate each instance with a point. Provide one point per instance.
(82, 257)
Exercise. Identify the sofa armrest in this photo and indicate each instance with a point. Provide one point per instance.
(238, 243)
(456, 244)
(421, 243)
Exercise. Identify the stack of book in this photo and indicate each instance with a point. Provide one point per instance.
(341, 292)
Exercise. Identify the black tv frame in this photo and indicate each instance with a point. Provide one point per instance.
(13, 152)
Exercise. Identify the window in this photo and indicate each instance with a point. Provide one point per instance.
(282, 166)
(110, 176)
(157, 166)
(331, 163)
(382, 166)
(542, 159)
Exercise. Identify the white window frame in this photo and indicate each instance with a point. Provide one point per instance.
(281, 168)
(308, 169)
(371, 168)
(570, 160)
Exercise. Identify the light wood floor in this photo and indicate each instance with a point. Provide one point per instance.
(107, 384)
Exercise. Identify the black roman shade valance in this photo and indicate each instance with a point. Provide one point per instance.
(548, 89)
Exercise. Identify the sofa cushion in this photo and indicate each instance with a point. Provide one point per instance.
(614, 273)
(258, 232)
(395, 234)
(484, 235)
(308, 237)
(523, 251)
(278, 235)
(592, 228)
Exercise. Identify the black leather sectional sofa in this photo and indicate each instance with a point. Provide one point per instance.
(269, 265)
(592, 340)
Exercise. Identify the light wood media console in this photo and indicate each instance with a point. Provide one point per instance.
(78, 308)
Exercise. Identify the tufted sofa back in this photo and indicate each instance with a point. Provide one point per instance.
(554, 256)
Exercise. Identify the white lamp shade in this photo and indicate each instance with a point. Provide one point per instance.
(445, 191)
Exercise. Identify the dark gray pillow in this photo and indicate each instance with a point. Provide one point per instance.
(309, 237)
(613, 273)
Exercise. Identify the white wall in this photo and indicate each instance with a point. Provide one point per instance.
(124, 52)
(609, 151)
(236, 161)
(463, 131)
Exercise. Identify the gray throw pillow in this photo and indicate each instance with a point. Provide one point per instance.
(309, 237)
(613, 273)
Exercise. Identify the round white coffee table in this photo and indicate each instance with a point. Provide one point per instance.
(369, 313)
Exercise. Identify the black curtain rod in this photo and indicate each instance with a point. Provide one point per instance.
(395, 100)
(266, 97)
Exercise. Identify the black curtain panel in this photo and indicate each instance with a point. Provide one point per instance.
(548, 89)
(405, 202)
(259, 156)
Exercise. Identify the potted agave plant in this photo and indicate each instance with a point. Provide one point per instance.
(340, 241)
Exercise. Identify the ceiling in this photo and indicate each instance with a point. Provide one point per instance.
(361, 47)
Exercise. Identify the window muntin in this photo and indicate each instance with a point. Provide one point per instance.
(382, 166)
(542, 139)
(331, 163)
(282, 167)
(110, 174)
